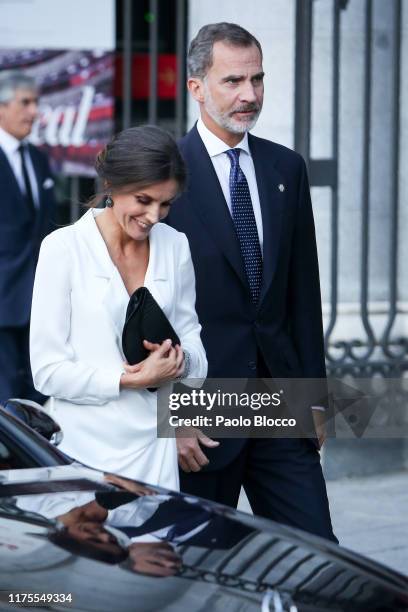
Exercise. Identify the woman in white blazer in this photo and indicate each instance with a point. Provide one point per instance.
(85, 275)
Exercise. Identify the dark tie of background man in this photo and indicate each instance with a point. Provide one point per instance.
(28, 190)
(245, 224)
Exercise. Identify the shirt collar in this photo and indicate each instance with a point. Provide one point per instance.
(216, 146)
(9, 143)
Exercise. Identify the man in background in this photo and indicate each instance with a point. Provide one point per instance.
(27, 207)
(248, 217)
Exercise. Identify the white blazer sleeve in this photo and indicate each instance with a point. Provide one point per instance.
(55, 370)
(186, 320)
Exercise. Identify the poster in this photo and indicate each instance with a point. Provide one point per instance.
(73, 65)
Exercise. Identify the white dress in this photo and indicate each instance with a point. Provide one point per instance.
(78, 313)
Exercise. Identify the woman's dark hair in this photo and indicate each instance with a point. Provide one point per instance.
(140, 156)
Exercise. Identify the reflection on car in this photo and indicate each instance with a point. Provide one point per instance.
(116, 544)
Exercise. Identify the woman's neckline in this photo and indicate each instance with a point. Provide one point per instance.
(150, 241)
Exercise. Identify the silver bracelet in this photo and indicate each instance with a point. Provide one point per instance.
(187, 366)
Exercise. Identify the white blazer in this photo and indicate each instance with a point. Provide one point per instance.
(78, 312)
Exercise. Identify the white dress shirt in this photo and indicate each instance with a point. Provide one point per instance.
(10, 146)
(216, 149)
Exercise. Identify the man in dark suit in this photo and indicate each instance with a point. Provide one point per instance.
(248, 217)
(26, 209)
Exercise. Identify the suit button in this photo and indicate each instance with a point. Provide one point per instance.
(252, 365)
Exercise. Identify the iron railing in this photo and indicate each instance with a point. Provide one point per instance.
(376, 352)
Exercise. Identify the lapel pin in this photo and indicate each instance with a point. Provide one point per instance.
(281, 187)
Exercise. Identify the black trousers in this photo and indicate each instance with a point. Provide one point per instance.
(282, 478)
(15, 371)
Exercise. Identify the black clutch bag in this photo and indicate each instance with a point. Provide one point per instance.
(145, 320)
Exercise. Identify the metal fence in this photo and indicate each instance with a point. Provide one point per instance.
(180, 51)
(382, 352)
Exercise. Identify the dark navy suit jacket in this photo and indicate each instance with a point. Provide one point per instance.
(20, 239)
(286, 326)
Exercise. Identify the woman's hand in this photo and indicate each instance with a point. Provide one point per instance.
(152, 346)
(164, 363)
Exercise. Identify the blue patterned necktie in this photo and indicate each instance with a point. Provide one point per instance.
(245, 224)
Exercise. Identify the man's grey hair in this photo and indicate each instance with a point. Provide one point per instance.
(11, 81)
(200, 53)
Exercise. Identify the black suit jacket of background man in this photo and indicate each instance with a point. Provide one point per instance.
(285, 328)
(21, 234)
(20, 237)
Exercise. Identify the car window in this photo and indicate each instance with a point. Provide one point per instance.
(11, 458)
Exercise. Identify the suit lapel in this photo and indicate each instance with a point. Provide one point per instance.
(207, 198)
(35, 160)
(109, 287)
(9, 171)
(272, 202)
(39, 176)
(9, 174)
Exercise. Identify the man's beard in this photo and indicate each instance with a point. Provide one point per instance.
(227, 120)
